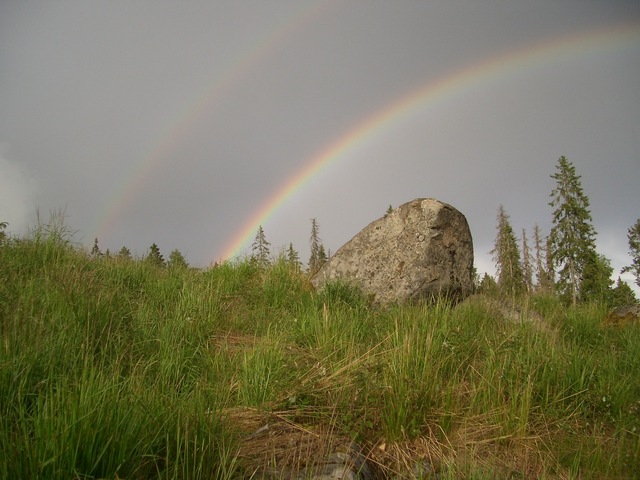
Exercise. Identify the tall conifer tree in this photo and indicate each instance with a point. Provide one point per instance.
(507, 257)
(527, 269)
(597, 283)
(634, 251)
(260, 248)
(543, 279)
(177, 260)
(95, 251)
(572, 237)
(487, 285)
(322, 256)
(622, 294)
(315, 258)
(124, 254)
(154, 257)
(293, 259)
(551, 273)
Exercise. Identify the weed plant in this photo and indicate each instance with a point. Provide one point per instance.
(113, 368)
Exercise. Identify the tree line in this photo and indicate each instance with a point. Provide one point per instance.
(566, 262)
(261, 253)
(154, 257)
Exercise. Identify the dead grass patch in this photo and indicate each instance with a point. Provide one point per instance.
(278, 440)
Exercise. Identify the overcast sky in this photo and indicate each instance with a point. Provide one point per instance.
(176, 122)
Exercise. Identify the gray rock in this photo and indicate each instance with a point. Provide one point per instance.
(508, 310)
(421, 250)
(351, 464)
(625, 315)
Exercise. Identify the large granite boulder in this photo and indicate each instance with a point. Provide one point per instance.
(421, 250)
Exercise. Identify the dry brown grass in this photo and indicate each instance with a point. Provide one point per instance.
(290, 441)
(274, 441)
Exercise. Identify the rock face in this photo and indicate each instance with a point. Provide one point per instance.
(352, 464)
(625, 315)
(508, 311)
(420, 250)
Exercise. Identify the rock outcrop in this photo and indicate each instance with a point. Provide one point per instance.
(507, 310)
(421, 250)
(350, 464)
(625, 315)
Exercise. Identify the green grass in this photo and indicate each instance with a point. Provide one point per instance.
(117, 369)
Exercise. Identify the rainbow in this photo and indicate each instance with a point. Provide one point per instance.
(431, 95)
(245, 62)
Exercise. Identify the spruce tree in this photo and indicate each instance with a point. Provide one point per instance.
(154, 257)
(572, 237)
(634, 251)
(260, 249)
(177, 260)
(527, 269)
(315, 261)
(322, 256)
(544, 283)
(550, 271)
(622, 294)
(487, 285)
(95, 251)
(3, 235)
(597, 283)
(124, 254)
(507, 257)
(475, 278)
(293, 259)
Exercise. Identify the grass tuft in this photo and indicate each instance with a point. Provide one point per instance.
(119, 369)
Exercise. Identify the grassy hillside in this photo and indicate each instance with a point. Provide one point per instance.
(118, 369)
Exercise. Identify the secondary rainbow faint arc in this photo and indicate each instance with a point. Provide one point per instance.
(430, 95)
(243, 64)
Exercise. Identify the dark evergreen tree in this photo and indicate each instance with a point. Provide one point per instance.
(507, 257)
(527, 269)
(315, 261)
(3, 234)
(260, 249)
(95, 251)
(177, 260)
(551, 273)
(475, 278)
(293, 259)
(488, 285)
(154, 257)
(389, 210)
(572, 237)
(597, 283)
(124, 254)
(322, 256)
(634, 251)
(622, 294)
(544, 281)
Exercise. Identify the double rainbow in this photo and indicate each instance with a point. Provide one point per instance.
(431, 95)
(245, 62)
